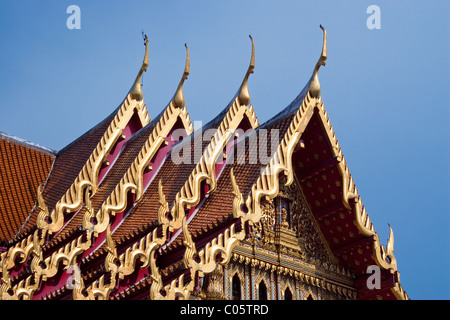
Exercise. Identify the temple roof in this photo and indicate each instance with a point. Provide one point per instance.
(131, 216)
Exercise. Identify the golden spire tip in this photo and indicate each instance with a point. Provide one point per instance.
(136, 89)
(244, 94)
(314, 85)
(178, 98)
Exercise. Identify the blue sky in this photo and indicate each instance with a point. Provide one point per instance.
(386, 90)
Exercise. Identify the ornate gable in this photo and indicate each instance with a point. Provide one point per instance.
(291, 226)
(299, 218)
(287, 241)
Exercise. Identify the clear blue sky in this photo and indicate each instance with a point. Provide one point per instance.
(386, 90)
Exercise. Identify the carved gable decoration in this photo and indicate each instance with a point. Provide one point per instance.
(287, 221)
(310, 239)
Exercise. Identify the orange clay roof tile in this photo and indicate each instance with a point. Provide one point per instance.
(23, 167)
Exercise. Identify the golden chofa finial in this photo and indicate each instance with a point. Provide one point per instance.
(136, 90)
(244, 95)
(178, 98)
(314, 85)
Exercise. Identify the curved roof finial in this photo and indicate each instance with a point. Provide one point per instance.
(314, 85)
(178, 98)
(136, 90)
(390, 244)
(244, 95)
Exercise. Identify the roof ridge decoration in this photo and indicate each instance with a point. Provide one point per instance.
(314, 84)
(136, 90)
(51, 222)
(244, 94)
(88, 177)
(133, 177)
(73, 198)
(41, 269)
(267, 185)
(178, 98)
(204, 170)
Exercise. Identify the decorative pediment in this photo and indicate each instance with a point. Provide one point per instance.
(288, 225)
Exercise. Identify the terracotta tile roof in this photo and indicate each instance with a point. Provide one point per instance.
(66, 168)
(130, 151)
(23, 167)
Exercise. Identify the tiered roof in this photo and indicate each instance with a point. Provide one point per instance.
(135, 223)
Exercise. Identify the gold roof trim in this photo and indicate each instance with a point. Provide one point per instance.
(188, 195)
(267, 184)
(72, 200)
(383, 256)
(132, 180)
(117, 201)
(190, 192)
